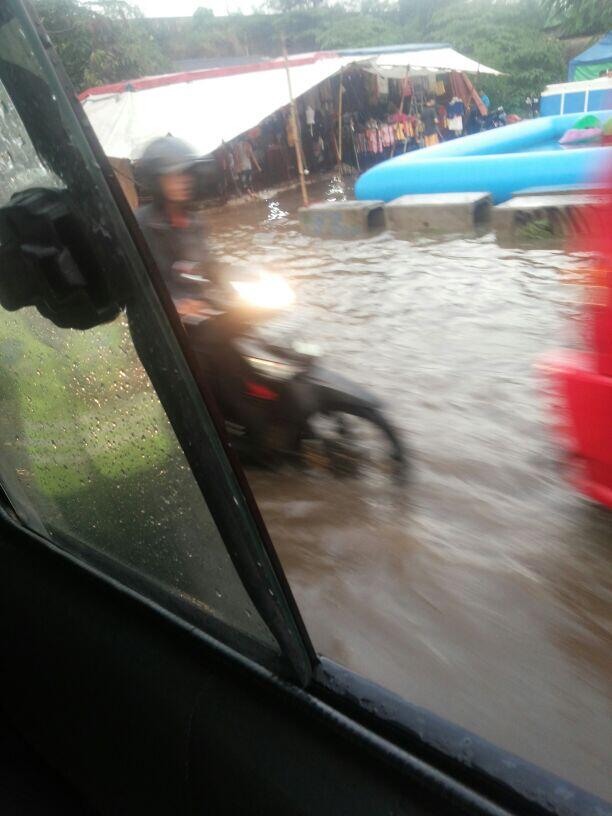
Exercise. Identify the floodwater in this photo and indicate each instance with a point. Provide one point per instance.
(483, 589)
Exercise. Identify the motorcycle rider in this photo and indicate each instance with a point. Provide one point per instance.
(176, 239)
(178, 244)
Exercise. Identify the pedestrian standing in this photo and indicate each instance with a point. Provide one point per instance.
(244, 161)
(430, 121)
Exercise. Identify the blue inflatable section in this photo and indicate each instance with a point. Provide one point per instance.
(501, 161)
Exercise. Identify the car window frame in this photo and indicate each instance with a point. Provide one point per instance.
(225, 488)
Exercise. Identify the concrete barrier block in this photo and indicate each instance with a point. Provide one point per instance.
(546, 216)
(342, 219)
(437, 212)
(568, 189)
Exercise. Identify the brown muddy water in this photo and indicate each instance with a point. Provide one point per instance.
(483, 589)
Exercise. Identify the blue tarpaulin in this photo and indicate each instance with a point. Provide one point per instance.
(591, 62)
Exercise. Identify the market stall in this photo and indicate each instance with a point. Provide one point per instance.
(337, 94)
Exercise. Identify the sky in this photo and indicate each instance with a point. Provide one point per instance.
(185, 8)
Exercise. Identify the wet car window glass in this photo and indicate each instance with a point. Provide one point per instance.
(20, 165)
(88, 453)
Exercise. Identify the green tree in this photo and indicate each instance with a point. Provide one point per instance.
(301, 29)
(417, 15)
(575, 17)
(284, 6)
(202, 13)
(234, 35)
(101, 42)
(357, 31)
(508, 37)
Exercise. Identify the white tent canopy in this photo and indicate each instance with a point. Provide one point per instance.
(204, 112)
(207, 108)
(398, 64)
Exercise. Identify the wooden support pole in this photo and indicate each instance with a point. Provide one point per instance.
(340, 89)
(296, 130)
(401, 110)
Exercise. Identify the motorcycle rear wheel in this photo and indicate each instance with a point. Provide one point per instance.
(342, 446)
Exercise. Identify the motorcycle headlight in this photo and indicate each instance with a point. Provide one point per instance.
(273, 369)
(268, 292)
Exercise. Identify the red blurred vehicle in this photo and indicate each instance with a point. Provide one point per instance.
(582, 381)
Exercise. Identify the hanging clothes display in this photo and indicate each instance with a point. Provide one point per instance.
(395, 91)
(310, 119)
(318, 152)
(383, 86)
(400, 131)
(361, 143)
(408, 87)
(398, 122)
(387, 136)
(442, 118)
(372, 90)
(373, 139)
(421, 92)
(326, 93)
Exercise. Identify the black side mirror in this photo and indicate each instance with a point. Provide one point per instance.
(46, 262)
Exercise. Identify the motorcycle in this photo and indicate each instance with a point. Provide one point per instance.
(280, 403)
